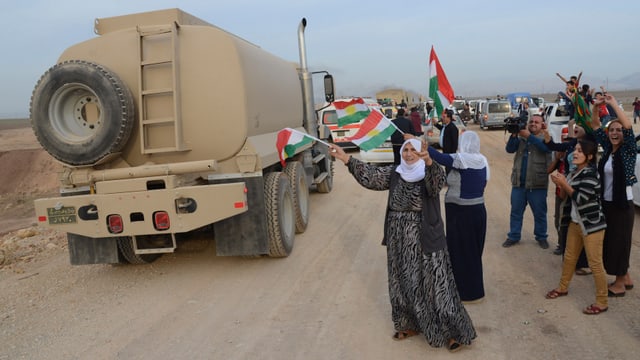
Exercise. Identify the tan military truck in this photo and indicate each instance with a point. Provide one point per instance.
(166, 126)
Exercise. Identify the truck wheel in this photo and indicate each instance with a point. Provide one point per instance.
(125, 245)
(81, 112)
(298, 181)
(280, 214)
(326, 185)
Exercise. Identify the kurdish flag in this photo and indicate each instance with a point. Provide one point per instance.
(439, 88)
(375, 129)
(351, 111)
(289, 141)
(582, 113)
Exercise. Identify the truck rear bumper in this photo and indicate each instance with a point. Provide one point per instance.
(188, 208)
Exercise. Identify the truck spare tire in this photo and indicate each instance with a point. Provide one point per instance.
(81, 112)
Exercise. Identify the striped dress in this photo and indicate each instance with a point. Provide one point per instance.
(422, 288)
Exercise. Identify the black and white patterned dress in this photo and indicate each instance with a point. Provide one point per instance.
(422, 288)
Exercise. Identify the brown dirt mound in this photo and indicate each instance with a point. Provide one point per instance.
(28, 172)
(26, 175)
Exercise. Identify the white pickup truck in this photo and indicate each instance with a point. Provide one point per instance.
(557, 118)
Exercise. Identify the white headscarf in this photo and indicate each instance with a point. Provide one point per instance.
(415, 171)
(468, 156)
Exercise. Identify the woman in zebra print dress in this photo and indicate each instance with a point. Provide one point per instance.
(422, 289)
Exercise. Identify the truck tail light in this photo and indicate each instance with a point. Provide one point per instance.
(115, 224)
(161, 220)
(565, 133)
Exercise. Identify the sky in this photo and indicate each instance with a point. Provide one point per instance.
(485, 47)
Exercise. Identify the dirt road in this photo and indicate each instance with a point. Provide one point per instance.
(328, 300)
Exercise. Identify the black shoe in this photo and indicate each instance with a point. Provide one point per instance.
(543, 244)
(509, 243)
(557, 251)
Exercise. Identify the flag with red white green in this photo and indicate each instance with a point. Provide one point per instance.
(582, 114)
(351, 111)
(289, 141)
(374, 130)
(440, 91)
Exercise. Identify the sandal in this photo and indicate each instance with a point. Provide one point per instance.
(554, 294)
(626, 286)
(594, 310)
(401, 335)
(454, 346)
(583, 271)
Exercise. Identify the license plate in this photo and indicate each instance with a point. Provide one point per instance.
(63, 215)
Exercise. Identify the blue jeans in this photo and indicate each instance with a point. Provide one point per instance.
(537, 200)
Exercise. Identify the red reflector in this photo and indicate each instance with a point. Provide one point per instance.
(238, 205)
(161, 220)
(246, 190)
(42, 218)
(115, 224)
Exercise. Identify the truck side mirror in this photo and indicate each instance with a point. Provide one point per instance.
(329, 95)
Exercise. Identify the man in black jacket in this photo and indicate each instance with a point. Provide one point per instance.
(397, 138)
(448, 133)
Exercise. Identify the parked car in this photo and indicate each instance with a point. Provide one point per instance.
(493, 113)
(557, 120)
(432, 133)
(340, 134)
(472, 108)
(539, 101)
(478, 110)
(458, 104)
(517, 98)
(383, 154)
(389, 111)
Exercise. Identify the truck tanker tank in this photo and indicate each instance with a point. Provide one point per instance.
(167, 127)
(198, 91)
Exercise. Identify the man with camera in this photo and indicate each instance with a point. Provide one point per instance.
(529, 180)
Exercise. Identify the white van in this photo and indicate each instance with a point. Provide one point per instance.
(493, 113)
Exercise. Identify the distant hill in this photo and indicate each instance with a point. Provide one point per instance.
(630, 82)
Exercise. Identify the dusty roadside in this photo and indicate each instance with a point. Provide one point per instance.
(328, 300)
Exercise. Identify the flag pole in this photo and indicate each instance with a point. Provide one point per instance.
(313, 137)
(391, 122)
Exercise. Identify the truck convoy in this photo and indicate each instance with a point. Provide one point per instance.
(166, 127)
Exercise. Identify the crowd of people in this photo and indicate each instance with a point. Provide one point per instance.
(435, 267)
(594, 212)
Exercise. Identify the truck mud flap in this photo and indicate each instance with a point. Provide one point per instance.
(85, 250)
(245, 234)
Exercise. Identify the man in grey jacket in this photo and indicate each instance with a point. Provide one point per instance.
(529, 181)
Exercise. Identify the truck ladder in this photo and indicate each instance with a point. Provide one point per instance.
(159, 98)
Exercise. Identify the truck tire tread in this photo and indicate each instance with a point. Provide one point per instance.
(295, 172)
(280, 214)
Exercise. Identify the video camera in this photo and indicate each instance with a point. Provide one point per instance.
(514, 124)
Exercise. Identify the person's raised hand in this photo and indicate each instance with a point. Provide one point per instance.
(524, 133)
(338, 153)
(610, 99)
